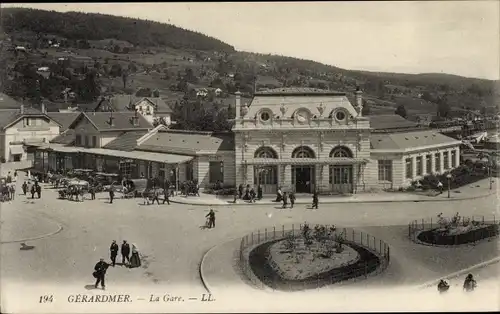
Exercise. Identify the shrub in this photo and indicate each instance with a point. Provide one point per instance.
(290, 244)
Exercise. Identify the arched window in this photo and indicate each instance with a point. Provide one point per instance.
(265, 152)
(266, 175)
(340, 151)
(303, 152)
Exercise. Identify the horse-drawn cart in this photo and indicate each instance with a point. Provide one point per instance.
(135, 187)
(74, 190)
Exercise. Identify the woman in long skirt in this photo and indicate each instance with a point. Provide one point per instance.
(135, 260)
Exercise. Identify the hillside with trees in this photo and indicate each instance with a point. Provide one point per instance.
(87, 56)
(89, 26)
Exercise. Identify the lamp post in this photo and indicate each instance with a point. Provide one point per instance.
(489, 176)
(448, 176)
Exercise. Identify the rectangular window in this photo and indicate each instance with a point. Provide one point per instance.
(446, 160)
(409, 168)
(87, 141)
(453, 158)
(428, 163)
(437, 162)
(78, 140)
(94, 141)
(420, 166)
(27, 122)
(216, 172)
(385, 170)
(189, 171)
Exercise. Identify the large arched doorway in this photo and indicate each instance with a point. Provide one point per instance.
(303, 175)
(266, 175)
(341, 176)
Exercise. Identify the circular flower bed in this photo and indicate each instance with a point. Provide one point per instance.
(310, 260)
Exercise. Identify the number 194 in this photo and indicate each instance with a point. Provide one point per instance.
(46, 298)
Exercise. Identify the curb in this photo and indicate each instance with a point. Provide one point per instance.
(200, 270)
(342, 202)
(60, 228)
(461, 272)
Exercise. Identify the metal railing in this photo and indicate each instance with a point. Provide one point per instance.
(257, 275)
(417, 226)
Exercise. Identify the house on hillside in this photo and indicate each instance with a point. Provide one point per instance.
(202, 92)
(152, 108)
(23, 127)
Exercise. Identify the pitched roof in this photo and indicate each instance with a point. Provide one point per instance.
(10, 116)
(126, 141)
(65, 138)
(7, 102)
(123, 103)
(409, 140)
(65, 119)
(390, 121)
(122, 121)
(189, 143)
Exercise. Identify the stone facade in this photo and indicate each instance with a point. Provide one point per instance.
(302, 140)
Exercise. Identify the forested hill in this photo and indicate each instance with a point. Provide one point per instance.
(90, 26)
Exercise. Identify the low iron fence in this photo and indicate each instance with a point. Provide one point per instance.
(361, 268)
(425, 224)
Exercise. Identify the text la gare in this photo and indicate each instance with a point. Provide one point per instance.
(205, 297)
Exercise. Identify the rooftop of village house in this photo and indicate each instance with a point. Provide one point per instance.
(115, 121)
(189, 143)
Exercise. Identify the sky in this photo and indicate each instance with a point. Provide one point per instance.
(455, 37)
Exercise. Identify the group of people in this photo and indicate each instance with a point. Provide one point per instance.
(35, 188)
(248, 193)
(129, 260)
(469, 284)
(284, 197)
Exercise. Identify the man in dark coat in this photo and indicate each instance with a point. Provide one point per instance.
(166, 195)
(100, 272)
(291, 196)
(113, 250)
(92, 192)
(33, 190)
(111, 194)
(315, 200)
(25, 187)
(259, 192)
(156, 197)
(125, 252)
(38, 190)
(211, 218)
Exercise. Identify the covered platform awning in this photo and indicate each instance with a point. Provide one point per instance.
(17, 149)
(306, 161)
(140, 155)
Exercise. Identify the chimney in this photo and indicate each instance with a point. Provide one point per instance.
(22, 108)
(359, 101)
(135, 119)
(237, 104)
(111, 118)
(43, 108)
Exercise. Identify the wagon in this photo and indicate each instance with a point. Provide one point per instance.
(135, 187)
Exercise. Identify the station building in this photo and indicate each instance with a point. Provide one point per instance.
(299, 139)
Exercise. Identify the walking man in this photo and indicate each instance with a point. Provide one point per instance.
(315, 200)
(211, 218)
(100, 273)
(285, 199)
(113, 252)
(92, 193)
(125, 252)
(292, 199)
(38, 190)
(111, 194)
(25, 188)
(167, 196)
(155, 197)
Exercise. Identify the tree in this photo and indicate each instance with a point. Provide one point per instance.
(144, 92)
(116, 70)
(443, 109)
(401, 111)
(124, 78)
